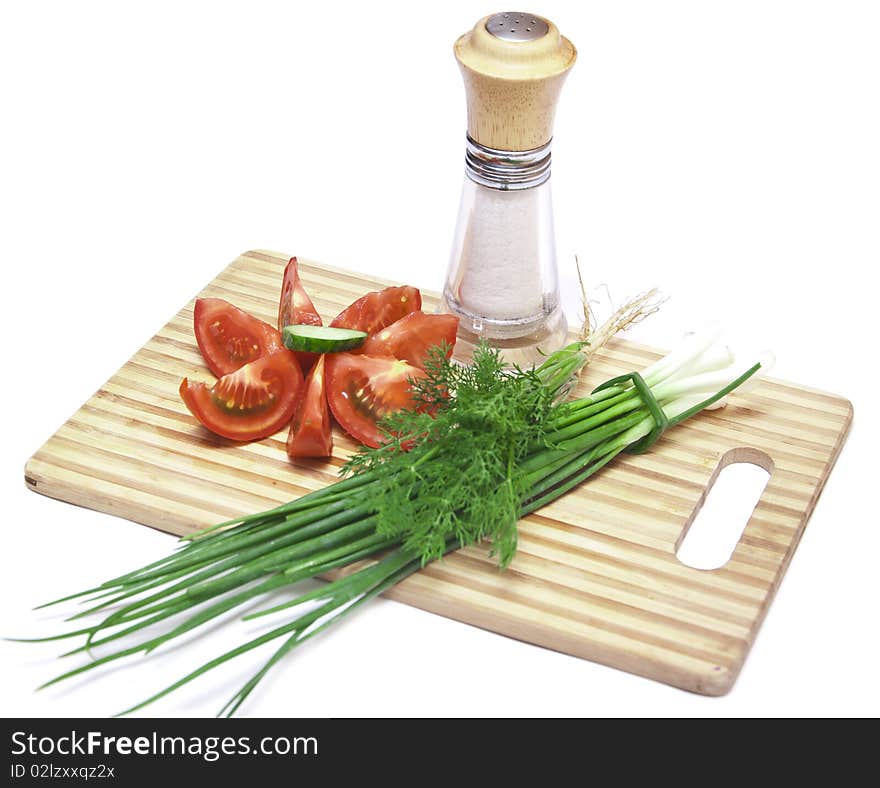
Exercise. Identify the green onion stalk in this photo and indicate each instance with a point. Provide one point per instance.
(513, 469)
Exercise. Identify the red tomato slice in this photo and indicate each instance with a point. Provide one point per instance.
(362, 390)
(379, 309)
(251, 403)
(410, 337)
(297, 309)
(310, 434)
(230, 338)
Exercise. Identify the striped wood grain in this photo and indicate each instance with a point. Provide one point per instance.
(596, 573)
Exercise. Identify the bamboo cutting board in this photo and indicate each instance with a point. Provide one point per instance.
(596, 573)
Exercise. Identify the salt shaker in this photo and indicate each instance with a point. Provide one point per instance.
(502, 278)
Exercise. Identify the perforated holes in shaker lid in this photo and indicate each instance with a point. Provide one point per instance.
(517, 26)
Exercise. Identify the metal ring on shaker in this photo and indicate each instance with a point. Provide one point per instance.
(507, 170)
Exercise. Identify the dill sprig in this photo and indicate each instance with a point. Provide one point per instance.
(451, 469)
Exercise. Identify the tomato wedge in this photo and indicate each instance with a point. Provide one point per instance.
(362, 390)
(230, 338)
(296, 309)
(379, 309)
(412, 336)
(251, 403)
(310, 434)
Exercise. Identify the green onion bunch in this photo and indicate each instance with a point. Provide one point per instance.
(489, 445)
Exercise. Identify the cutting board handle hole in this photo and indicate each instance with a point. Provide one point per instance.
(723, 511)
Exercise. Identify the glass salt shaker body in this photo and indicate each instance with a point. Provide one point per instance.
(501, 280)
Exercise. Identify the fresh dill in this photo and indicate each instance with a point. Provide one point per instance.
(450, 470)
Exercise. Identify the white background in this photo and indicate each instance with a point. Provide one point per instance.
(725, 152)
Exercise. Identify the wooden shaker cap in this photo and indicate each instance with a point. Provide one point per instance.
(513, 85)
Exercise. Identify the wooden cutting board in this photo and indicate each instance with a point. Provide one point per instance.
(596, 574)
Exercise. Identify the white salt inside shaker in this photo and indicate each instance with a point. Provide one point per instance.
(501, 256)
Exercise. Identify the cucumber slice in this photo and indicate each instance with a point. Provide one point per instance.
(321, 339)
